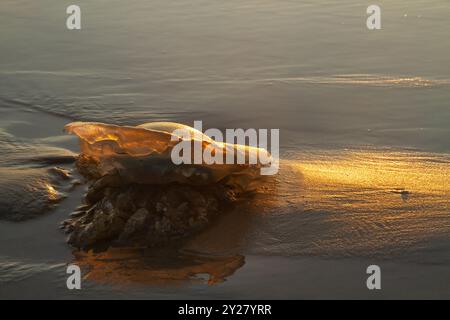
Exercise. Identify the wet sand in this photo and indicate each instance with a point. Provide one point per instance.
(310, 233)
(364, 129)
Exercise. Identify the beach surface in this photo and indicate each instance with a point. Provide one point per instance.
(363, 119)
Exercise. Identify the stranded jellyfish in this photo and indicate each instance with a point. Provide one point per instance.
(144, 189)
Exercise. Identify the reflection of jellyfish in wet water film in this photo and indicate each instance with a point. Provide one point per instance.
(126, 266)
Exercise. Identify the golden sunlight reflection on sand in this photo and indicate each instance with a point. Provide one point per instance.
(361, 179)
(355, 202)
